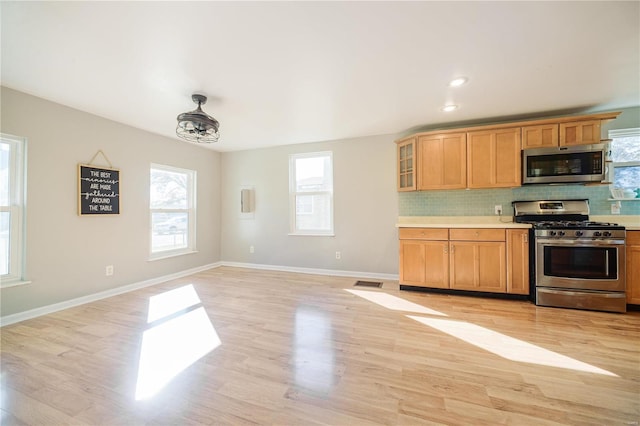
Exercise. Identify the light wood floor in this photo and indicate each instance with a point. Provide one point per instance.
(301, 349)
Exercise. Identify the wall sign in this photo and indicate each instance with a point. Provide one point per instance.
(98, 189)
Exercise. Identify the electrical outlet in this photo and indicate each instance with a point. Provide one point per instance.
(498, 209)
(615, 207)
(338, 255)
(252, 249)
(108, 270)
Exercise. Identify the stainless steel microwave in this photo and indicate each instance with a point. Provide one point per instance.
(570, 164)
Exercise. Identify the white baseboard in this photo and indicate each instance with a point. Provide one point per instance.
(44, 310)
(330, 272)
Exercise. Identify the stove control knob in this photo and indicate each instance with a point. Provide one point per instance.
(606, 234)
(597, 234)
(560, 233)
(579, 233)
(552, 233)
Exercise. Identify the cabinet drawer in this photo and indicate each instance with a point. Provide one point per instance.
(440, 234)
(633, 238)
(476, 234)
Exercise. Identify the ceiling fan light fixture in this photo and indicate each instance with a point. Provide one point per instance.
(198, 126)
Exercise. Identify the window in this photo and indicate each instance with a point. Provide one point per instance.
(625, 157)
(12, 209)
(172, 206)
(311, 193)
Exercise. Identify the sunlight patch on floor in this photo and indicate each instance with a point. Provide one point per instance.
(164, 304)
(174, 344)
(394, 303)
(506, 346)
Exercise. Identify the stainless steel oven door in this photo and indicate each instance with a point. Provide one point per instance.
(583, 265)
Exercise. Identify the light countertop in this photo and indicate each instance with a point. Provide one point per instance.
(631, 223)
(458, 222)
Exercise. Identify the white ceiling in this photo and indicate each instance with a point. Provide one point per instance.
(291, 72)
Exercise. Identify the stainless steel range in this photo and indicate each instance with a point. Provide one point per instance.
(575, 263)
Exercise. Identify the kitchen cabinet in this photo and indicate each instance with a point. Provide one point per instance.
(486, 156)
(467, 259)
(406, 164)
(477, 260)
(518, 261)
(493, 158)
(443, 159)
(633, 267)
(580, 132)
(424, 257)
(540, 136)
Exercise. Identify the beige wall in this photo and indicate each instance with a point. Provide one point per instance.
(67, 253)
(365, 213)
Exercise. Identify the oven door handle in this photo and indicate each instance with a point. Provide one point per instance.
(580, 243)
(608, 295)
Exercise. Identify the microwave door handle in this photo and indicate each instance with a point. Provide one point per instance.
(606, 262)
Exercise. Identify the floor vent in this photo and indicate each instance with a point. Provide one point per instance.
(375, 284)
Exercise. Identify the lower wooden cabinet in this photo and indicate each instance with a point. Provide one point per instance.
(424, 263)
(477, 259)
(424, 257)
(485, 260)
(518, 261)
(478, 266)
(633, 267)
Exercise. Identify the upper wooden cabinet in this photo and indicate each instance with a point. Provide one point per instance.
(407, 165)
(442, 161)
(486, 156)
(493, 158)
(580, 132)
(540, 136)
(561, 134)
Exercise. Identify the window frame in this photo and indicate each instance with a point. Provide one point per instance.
(294, 193)
(621, 133)
(17, 207)
(191, 211)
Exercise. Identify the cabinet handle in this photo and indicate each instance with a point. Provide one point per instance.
(445, 250)
(453, 248)
(525, 238)
(477, 234)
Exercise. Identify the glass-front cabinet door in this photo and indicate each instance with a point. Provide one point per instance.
(407, 165)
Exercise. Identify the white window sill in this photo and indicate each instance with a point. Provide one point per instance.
(168, 254)
(13, 283)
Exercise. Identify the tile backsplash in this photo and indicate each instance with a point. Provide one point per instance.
(481, 202)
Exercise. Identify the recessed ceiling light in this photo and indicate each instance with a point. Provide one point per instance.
(458, 81)
(449, 108)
